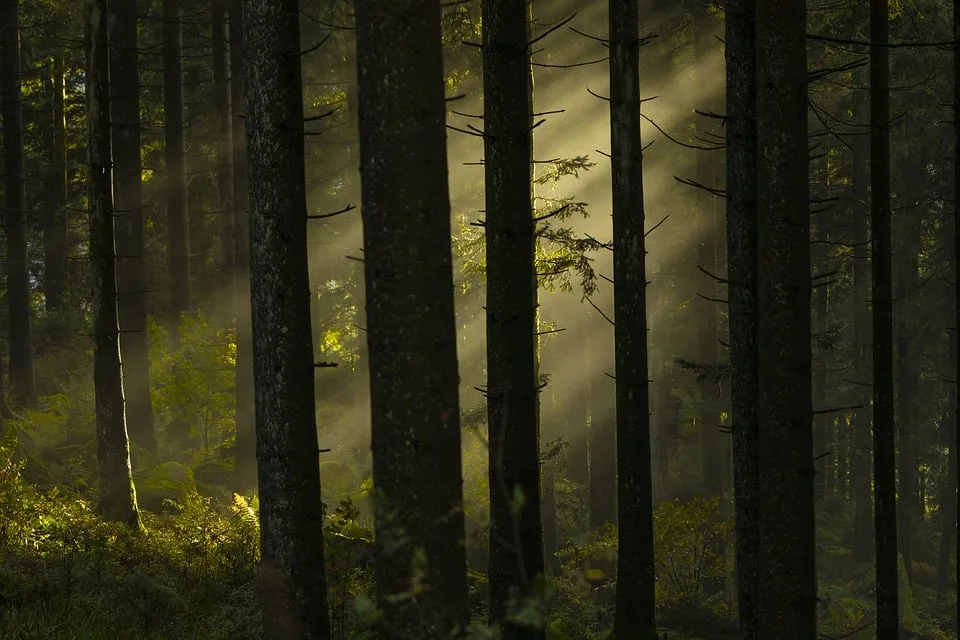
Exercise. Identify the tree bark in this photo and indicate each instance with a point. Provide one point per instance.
(516, 535)
(741, 95)
(293, 582)
(55, 192)
(178, 226)
(22, 387)
(956, 281)
(129, 225)
(118, 498)
(787, 575)
(411, 331)
(246, 469)
(635, 616)
(884, 434)
(862, 543)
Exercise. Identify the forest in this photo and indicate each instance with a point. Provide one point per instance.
(479, 319)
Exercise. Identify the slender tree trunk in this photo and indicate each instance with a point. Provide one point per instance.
(221, 101)
(55, 193)
(411, 331)
(741, 177)
(118, 498)
(178, 225)
(635, 617)
(516, 535)
(787, 585)
(131, 280)
(884, 434)
(862, 544)
(293, 583)
(246, 471)
(22, 387)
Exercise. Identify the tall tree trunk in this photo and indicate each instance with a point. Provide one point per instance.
(118, 498)
(956, 282)
(178, 226)
(635, 616)
(411, 331)
(246, 470)
(884, 434)
(741, 96)
(788, 586)
(516, 535)
(293, 583)
(22, 387)
(55, 192)
(131, 280)
(221, 102)
(862, 543)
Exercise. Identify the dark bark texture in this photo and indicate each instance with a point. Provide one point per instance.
(118, 498)
(293, 583)
(635, 617)
(131, 280)
(22, 387)
(411, 331)
(881, 251)
(787, 585)
(516, 537)
(742, 294)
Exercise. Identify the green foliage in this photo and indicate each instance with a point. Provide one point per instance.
(194, 384)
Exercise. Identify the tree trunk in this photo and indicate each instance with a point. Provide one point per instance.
(884, 434)
(131, 280)
(246, 469)
(862, 544)
(741, 95)
(956, 282)
(118, 498)
(411, 331)
(293, 582)
(178, 226)
(787, 585)
(22, 387)
(221, 102)
(516, 536)
(55, 193)
(635, 616)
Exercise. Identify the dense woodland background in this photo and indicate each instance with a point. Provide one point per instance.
(786, 269)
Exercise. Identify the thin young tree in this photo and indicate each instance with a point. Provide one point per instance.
(411, 330)
(128, 206)
(635, 616)
(118, 498)
(741, 95)
(881, 251)
(516, 533)
(293, 586)
(22, 387)
(787, 551)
